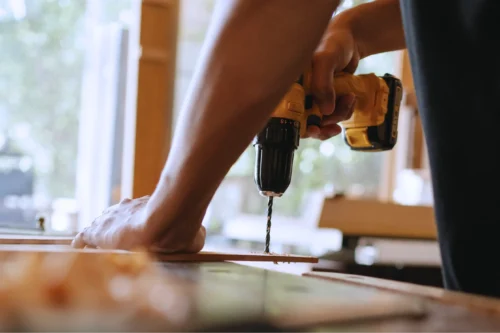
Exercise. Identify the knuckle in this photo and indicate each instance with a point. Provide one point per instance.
(322, 54)
(125, 201)
(321, 88)
(139, 203)
(105, 222)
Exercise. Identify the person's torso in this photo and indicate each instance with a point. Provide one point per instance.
(452, 46)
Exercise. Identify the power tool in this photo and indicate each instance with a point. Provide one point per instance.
(373, 127)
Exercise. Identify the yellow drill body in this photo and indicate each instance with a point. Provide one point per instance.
(372, 126)
(372, 104)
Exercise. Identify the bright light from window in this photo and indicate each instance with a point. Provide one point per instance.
(327, 148)
(18, 9)
(306, 166)
(12, 9)
(310, 154)
(344, 155)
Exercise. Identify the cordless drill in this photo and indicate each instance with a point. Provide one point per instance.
(372, 127)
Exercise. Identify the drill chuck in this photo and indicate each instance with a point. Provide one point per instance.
(275, 147)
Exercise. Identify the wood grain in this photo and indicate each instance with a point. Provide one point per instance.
(474, 302)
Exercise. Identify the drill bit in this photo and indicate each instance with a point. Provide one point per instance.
(268, 230)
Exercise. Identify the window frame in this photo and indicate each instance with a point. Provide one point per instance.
(149, 115)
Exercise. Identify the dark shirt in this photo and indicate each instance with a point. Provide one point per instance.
(456, 71)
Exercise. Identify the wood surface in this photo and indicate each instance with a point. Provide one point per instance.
(203, 256)
(378, 219)
(291, 302)
(50, 291)
(473, 302)
(221, 256)
(34, 239)
(219, 292)
(350, 313)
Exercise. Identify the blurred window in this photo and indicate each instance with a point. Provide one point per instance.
(62, 85)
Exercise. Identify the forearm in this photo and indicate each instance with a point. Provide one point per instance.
(252, 54)
(377, 26)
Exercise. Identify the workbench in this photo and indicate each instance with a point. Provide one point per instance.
(269, 291)
(233, 296)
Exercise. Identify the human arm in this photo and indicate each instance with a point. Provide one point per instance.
(364, 30)
(376, 26)
(253, 52)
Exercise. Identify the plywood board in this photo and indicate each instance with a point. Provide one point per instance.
(34, 239)
(221, 256)
(203, 256)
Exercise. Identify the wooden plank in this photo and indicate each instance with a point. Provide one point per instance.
(418, 142)
(186, 295)
(474, 302)
(47, 248)
(34, 239)
(203, 256)
(197, 296)
(378, 219)
(303, 302)
(221, 256)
